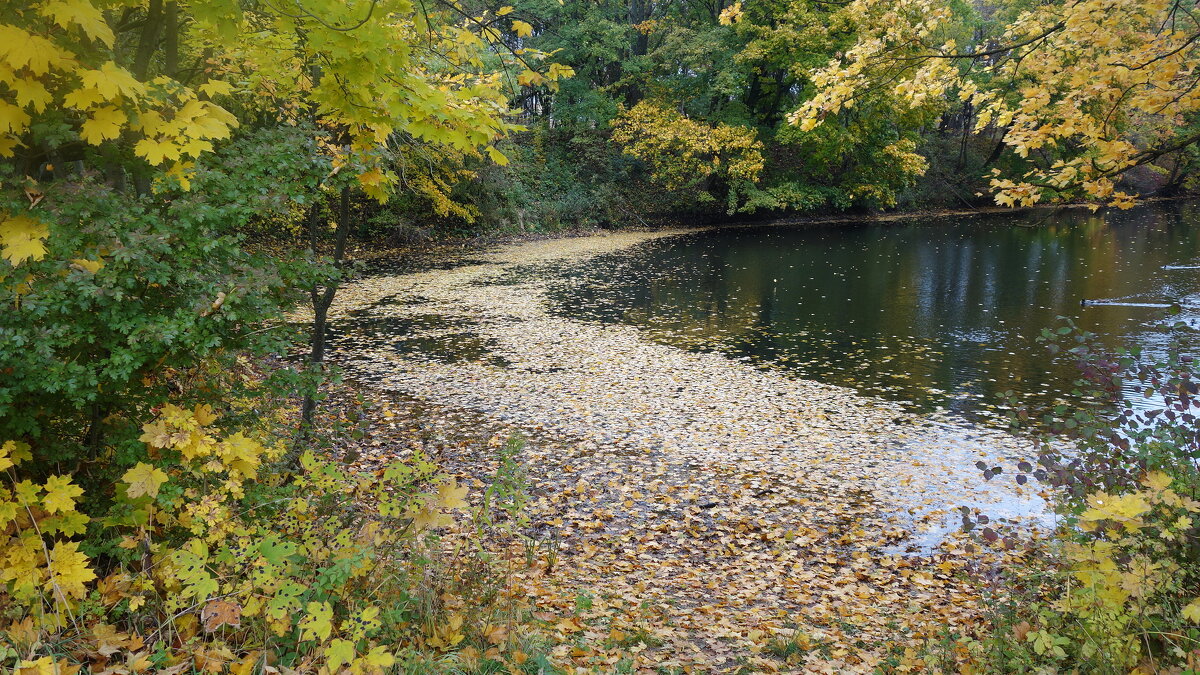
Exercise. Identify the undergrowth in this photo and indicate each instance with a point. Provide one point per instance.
(210, 557)
(1115, 590)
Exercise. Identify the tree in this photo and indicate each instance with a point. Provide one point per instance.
(1081, 90)
(124, 192)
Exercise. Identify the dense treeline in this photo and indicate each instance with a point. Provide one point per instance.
(690, 109)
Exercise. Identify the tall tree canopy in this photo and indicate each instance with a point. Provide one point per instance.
(1082, 89)
(144, 87)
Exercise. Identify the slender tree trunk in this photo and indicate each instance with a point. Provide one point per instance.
(171, 39)
(322, 299)
(149, 40)
(996, 150)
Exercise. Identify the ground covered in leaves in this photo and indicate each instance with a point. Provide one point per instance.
(688, 512)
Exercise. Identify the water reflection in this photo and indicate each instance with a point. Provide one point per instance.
(937, 313)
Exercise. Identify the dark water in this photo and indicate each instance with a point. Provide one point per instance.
(935, 313)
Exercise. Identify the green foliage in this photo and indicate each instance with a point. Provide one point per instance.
(134, 290)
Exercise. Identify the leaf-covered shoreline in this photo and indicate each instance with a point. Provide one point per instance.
(743, 505)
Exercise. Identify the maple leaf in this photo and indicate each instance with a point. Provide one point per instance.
(731, 14)
(317, 623)
(12, 118)
(451, 496)
(22, 238)
(522, 29)
(337, 653)
(31, 92)
(216, 88)
(379, 659)
(46, 666)
(155, 434)
(13, 453)
(1157, 480)
(427, 518)
(69, 569)
(203, 414)
(529, 78)
(144, 479)
(83, 98)
(89, 266)
(21, 49)
(195, 147)
(1192, 611)
(111, 81)
(105, 123)
(83, 14)
(60, 494)
(497, 156)
(156, 151)
(219, 613)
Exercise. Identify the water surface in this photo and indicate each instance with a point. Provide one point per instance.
(935, 313)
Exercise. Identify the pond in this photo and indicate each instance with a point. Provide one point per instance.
(934, 313)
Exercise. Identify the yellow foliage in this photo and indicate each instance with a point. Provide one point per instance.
(1123, 572)
(1102, 78)
(198, 550)
(684, 153)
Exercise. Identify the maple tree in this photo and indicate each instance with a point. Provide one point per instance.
(1084, 90)
(379, 73)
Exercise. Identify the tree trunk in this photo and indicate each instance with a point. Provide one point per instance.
(149, 40)
(171, 40)
(322, 298)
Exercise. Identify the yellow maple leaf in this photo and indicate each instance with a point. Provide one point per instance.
(317, 623)
(12, 118)
(83, 98)
(1192, 611)
(216, 88)
(497, 156)
(105, 123)
(89, 266)
(16, 451)
(8, 145)
(69, 569)
(144, 479)
(731, 14)
(522, 29)
(30, 92)
(428, 518)
(22, 238)
(451, 496)
(112, 81)
(60, 494)
(1157, 480)
(81, 13)
(21, 49)
(529, 78)
(155, 151)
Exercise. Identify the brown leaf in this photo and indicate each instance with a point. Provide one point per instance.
(219, 613)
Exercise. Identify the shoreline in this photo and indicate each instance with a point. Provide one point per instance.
(438, 248)
(691, 462)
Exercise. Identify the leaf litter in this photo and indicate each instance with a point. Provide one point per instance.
(704, 515)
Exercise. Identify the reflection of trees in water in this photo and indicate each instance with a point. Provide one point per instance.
(943, 305)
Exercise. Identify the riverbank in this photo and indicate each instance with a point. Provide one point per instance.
(437, 250)
(742, 505)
